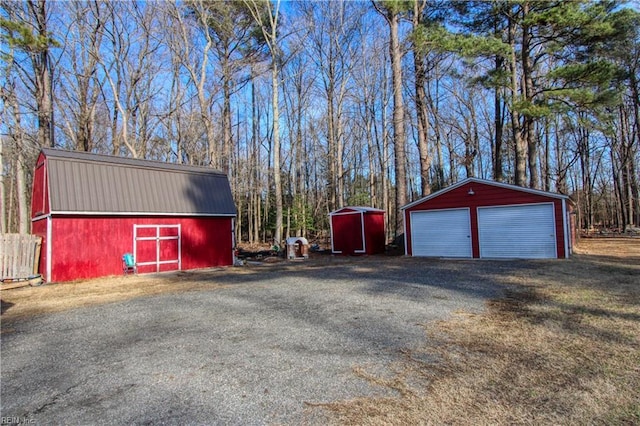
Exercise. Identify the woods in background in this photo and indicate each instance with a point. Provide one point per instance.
(311, 106)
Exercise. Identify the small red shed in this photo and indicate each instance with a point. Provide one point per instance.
(477, 218)
(357, 230)
(90, 209)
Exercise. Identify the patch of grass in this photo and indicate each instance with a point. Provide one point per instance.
(24, 302)
(562, 347)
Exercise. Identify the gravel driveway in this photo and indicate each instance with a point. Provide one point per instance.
(263, 349)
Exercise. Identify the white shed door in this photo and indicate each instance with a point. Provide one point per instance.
(441, 233)
(524, 232)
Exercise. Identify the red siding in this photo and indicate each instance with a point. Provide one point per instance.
(89, 247)
(39, 228)
(346, 227)
(374, 232)
(486, 195)
(347, 233)
(40, 196)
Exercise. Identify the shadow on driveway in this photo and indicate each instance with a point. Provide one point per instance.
(251, 351)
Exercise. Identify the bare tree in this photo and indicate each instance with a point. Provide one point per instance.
(420, 70)
(391, 12)
(81, 87)
(125, 69)
(3, 200)
(235, 41)
(266, 15)
(18, 163)
(194, 59)
(27, 33)
(28, 43)
(332, 35)
(37, 14)
(518, 140)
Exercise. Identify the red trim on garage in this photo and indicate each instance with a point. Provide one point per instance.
(474, 193)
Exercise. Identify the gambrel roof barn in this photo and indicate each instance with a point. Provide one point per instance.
(90, 209)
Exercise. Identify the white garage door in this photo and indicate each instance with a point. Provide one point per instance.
(441, 233)
(526, 232)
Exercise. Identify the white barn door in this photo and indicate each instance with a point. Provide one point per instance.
(157, 248)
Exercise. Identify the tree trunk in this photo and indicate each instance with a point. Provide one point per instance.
(547, 155)
(528, 121)
(399, 142)
(561, 166)
(421, 105)
(276, 152)
(300, 190)
(333, 160)
(21, 188)
(269, 31)
(434, 105)
(3, 210)
(43, 78)
(518, 141)
(634, 146)
(226, 119)
(620, 213)
(499, 125)
(21, 171)
(383, 158)
(255, 160)
(587, 181)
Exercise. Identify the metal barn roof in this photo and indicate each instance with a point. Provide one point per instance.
(85, 183)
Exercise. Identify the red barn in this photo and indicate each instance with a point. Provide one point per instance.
(357, 230)
(477, 218)
(90, 209)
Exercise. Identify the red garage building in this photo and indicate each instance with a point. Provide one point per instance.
(357, 230)
(484, 219)
(90, 209)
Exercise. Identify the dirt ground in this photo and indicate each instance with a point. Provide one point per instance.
(247, 345)
(563, 346)
(26, 301)
(618, 247)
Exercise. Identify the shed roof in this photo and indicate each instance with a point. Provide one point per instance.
(358, 209)
(85, 183)
(486, 182)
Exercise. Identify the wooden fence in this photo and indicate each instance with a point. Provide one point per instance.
(19, 256)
